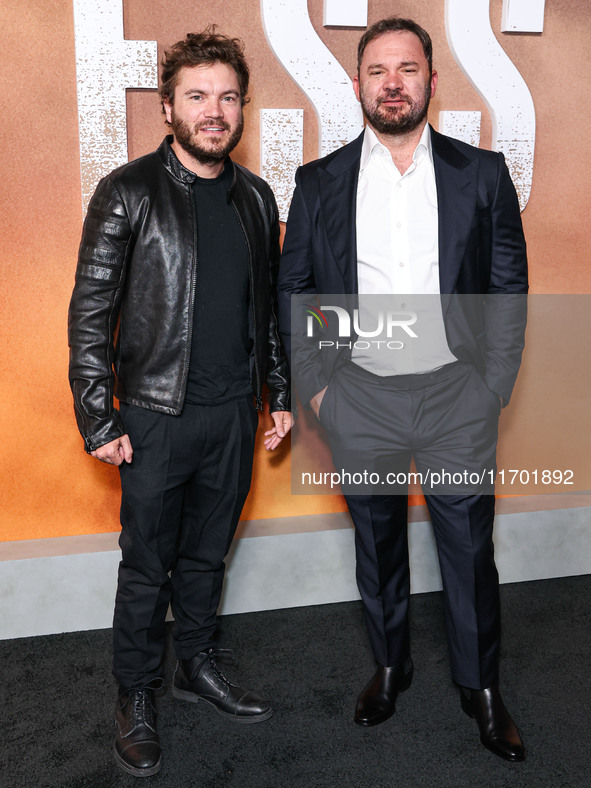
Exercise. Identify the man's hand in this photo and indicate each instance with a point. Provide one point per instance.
(115, 452)
(316, 401)
(283, 421)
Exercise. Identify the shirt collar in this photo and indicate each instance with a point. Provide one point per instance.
(371, 143)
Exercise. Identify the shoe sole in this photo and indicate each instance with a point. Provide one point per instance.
(192, 697)
(147, 772)
(503, 755)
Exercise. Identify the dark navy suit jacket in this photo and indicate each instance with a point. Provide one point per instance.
(481, 253)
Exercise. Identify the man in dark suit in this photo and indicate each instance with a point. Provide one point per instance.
(406, 211)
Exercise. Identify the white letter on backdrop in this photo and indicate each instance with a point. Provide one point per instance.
(106, 65)
(499, 83)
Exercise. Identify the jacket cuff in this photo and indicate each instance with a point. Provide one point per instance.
(104, 431)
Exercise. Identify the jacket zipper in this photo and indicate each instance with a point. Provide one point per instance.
(258, 397)
(193, 291)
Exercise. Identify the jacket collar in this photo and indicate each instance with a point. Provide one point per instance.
(337, 184)
(168, 158)
(455, 176)
(170, 161)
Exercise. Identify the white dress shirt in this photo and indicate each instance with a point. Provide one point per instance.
(398, 258)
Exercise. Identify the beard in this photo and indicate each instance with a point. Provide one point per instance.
(215, 150)
(394, 120)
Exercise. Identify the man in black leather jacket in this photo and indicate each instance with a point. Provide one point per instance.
(173, 312)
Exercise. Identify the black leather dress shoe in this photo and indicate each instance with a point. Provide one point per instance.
(200, 678)
(377, 701)
(137, 746)
(498, 732)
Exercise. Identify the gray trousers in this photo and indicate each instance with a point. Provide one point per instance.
(448, 422)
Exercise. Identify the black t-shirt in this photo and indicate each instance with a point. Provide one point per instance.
(219, 369)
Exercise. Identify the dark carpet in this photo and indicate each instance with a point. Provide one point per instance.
(58, 697)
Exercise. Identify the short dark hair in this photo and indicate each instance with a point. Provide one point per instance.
(396, 24)
(203, 49)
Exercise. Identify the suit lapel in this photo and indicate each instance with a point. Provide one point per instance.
(456, 183)
(337, 185)
(456, 180)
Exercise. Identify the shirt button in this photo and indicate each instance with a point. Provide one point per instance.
(402, 265)
(399, 225)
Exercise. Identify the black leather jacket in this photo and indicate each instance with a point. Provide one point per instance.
(131, 314)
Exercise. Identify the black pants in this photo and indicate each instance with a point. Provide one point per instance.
(447, 421)
(181, 499)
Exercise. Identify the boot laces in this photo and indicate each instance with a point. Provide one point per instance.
(142, 708)
(223, 655)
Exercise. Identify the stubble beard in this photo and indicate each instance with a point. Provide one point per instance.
(185, 134)
(393, 120)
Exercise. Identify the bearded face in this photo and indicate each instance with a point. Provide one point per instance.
(206, 114)
(207, 141)
(396, 112)
(395, 84)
